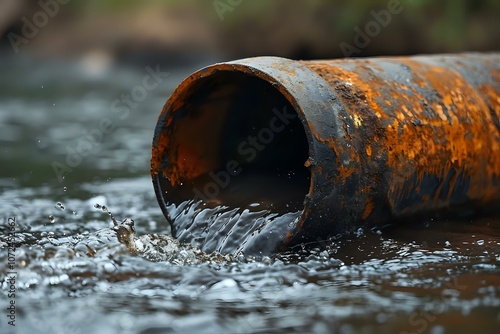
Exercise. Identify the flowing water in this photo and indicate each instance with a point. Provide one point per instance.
(70, 273)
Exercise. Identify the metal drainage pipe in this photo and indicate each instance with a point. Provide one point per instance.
(342, 143)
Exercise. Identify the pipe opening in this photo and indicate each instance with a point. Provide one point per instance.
(234, 140)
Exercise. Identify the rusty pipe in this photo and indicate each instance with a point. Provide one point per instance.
(344, 144)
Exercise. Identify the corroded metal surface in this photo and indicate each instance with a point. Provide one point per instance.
(387, 137)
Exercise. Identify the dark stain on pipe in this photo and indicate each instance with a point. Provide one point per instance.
(373, 140)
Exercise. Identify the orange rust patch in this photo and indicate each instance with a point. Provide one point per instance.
(368, 150)
(368, 209)
(429, 125)
(344, 173)
(289, 70)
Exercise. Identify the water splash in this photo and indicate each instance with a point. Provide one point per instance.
(159, 247)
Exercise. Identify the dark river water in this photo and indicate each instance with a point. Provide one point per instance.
(69, 274)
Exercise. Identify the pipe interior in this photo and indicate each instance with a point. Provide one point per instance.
(240, 143)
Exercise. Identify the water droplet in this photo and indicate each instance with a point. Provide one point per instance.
(65, 188)
(41, 143)
(59, 205)
(52, 220)
(105, 209)
(109, 267)
(480, 242)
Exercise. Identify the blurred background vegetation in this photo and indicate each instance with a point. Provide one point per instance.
(182, 30)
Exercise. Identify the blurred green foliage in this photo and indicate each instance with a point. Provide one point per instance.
(444, 24)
